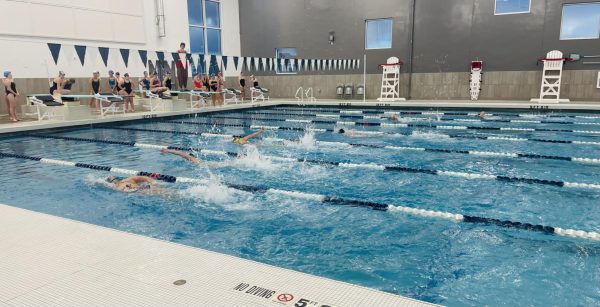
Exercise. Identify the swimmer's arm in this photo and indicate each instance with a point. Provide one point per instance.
(181, 154)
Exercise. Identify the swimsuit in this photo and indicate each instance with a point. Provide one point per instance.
(256, 84)
(214, 86)
(112, 83)
(243, 82)
(13, 87)
(146, 83)
(67, 86)
(197, 85)
(168, 84)
(96, 86)
(127, 87)
(53, 88)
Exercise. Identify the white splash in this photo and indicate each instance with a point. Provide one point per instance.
(252, 159)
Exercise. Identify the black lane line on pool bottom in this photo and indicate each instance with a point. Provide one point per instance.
(327, 199)
(407, 134)
(350, 165)
(440, 127)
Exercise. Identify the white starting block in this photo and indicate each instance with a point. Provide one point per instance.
(476, 79)
(390, 82)
(551, 78)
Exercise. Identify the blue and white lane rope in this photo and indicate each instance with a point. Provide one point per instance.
(377, 117)
(389, 111)
(478, 137)
(333, 200)
(370, 166)
(402, 125)
(397, 148)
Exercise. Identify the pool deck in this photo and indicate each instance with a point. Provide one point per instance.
(478, 105)
(52, 261)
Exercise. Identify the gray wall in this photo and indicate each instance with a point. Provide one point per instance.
(448, 34)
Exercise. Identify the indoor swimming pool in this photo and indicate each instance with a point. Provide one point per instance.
(438, 205)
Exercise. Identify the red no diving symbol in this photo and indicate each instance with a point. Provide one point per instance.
(285, 297)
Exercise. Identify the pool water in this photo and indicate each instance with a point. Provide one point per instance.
(431, 259)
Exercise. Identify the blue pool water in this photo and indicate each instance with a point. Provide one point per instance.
(436, 260)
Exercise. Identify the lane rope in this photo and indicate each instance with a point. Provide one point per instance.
(389, 111)
(333, 200)
(370, 166)
(405, 125)
(375, 146)
(387, 118)
(479, 137)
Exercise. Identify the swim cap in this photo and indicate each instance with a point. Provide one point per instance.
(61, 73)
(6, 73)
(111, 72)
(112, 179)
(342, 131)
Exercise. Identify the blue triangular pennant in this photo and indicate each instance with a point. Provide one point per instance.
(225, 60)
(236, 61)
(214, 67)
(125, 56)
(55, 50)
(144, 57)
(104, 54)
(175, 56)
(201, 64)
(160, 55)
(80, 50)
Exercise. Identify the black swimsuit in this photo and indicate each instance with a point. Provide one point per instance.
(53, 88)
(96, 86)
(13, 87)
(214, 86)
(127, 87)
(256, 84)
(243, 82)
(169, 84)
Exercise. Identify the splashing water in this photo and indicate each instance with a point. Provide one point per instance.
(252, 159)
(428, 135)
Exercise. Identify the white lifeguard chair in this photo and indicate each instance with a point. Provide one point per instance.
(551, 78)
(476, 79)
(390, 81)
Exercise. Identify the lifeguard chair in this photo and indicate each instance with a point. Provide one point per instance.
(551, 78)
(390, 81)
(476, 79)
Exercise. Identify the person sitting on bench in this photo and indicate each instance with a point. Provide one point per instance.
(58, 84)
(155, 85)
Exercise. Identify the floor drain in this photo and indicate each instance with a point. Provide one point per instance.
(180, 282)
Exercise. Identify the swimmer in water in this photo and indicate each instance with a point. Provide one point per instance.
(395, 118)
(244, 140)
(132, 184)
(352, 134)
(188, 156)
(482, 115)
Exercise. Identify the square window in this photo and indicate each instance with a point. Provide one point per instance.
(504, 7)
(214, 41)
(195, 12)
(285, 53)
(212, 14)
(379, 34)
(197, 40)
(580, 21)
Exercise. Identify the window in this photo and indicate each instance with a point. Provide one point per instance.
(204, 17)
(379, 34)
(580, 21)
(286, 53)
(504, 7)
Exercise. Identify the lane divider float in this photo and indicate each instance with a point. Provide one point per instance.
(332, 200)
(370, 166)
